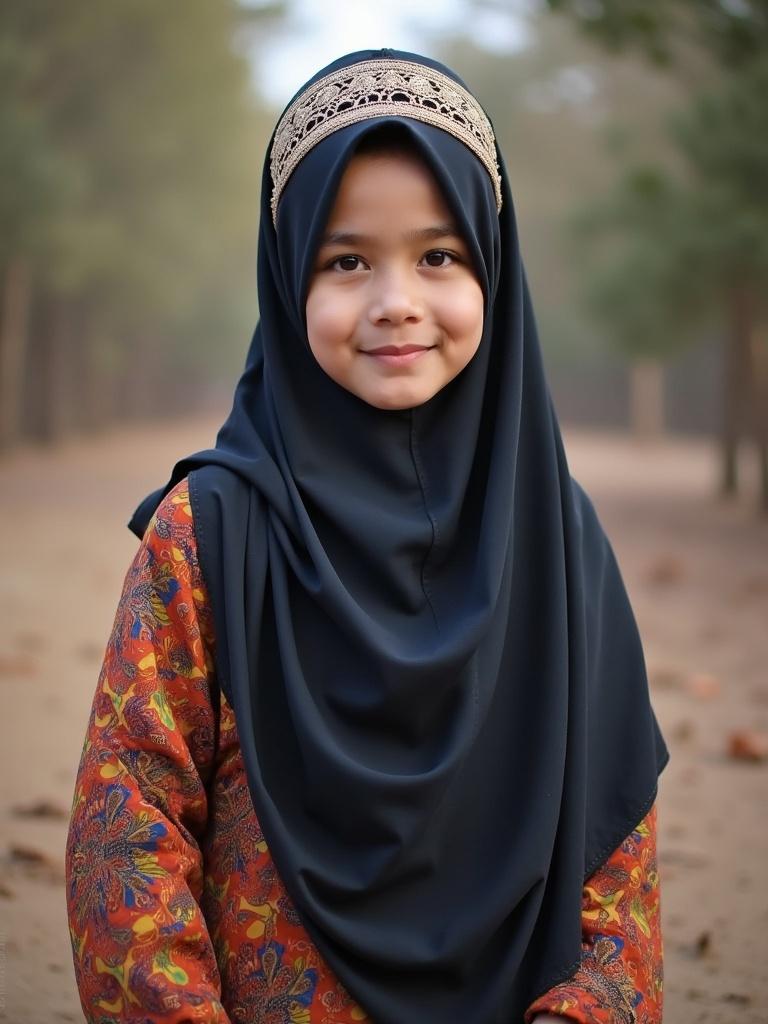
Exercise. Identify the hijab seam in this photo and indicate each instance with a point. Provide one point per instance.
(634, 818)
(432, 521)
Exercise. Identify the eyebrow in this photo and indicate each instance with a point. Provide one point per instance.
(419, 235)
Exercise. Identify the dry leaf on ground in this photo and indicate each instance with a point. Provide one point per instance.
(748, 745)
(41, 809)
(666, 569)
(703, 686)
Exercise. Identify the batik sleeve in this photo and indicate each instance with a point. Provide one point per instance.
(619, 980)
(141, 946)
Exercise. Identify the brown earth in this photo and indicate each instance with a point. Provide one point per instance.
(697, 573)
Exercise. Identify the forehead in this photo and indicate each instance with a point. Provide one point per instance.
(383, 187)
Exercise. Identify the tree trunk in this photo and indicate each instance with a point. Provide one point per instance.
(762, 454)
(140, 392)
(14, 323)
(760, 409)
(647, 418)
(93, 379)
(53, 369)
(736, 388)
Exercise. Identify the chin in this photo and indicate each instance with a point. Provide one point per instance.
(398, 399)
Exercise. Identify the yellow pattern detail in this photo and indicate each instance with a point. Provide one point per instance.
(121, 973)
(263, 912)
(605, 905)
(119, 700)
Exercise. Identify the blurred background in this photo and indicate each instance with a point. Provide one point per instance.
(636, 134)
(132, 135)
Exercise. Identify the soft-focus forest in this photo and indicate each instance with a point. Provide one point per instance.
(131, 142)
(636, 135)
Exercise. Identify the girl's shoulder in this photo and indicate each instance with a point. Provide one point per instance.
(173, 516)
(169, 561)
(170, 541)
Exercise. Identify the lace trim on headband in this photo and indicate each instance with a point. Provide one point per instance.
(371, 89)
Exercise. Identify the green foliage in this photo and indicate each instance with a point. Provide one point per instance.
(734, 32)
(638, 288)
(672, 247)
(130, 143)
(553, 105)
(724, 138)
(32, 170)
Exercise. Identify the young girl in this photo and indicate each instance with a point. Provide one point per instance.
(372, 740)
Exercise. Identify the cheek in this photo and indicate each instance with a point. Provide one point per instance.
(330, 320)
(463, 312)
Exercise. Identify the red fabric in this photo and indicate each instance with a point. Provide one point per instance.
(176, 911)
(620, 977)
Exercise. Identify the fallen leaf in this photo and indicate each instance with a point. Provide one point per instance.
(29, 855)
(748, 745)
(702, 686)
(6, 893)
(703, 944)
(41, 809)
(739, 998)
(666, 569)
(36, 863)
(18, 665)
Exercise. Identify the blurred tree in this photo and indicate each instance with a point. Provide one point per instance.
(35, 177)
(688, 247)
(131, 142)
(554, 104)
(734, 32)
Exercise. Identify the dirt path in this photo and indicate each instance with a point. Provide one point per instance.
(697, 573)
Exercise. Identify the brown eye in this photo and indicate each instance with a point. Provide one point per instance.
(347, 263)
(438, 258)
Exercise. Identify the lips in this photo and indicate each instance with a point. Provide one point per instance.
(397, 350)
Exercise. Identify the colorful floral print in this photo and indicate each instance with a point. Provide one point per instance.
(176, 911)
(620, 977)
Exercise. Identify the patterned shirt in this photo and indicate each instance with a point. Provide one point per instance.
(177, 913)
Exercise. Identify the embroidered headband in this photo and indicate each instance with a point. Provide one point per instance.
(374, 88)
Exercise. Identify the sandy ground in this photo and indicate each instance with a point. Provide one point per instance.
(696, 570)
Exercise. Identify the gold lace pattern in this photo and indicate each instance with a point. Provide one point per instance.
(371, 89)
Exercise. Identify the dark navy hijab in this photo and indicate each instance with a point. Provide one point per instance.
(437, 678)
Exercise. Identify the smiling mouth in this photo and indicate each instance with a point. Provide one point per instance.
(396, 350)
(398, 355)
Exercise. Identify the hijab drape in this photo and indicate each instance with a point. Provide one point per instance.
(438, 682)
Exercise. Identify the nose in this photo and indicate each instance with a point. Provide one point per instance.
(396, 300)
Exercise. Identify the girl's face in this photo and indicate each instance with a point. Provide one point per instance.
(394, 309)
